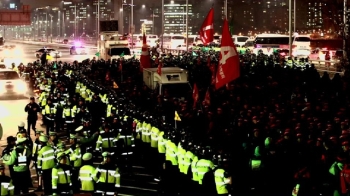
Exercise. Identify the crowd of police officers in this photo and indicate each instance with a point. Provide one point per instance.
(101, 124)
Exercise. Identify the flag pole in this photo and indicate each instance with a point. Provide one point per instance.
(162, 25)
(226, 9)
(175, 124)
(186, 25)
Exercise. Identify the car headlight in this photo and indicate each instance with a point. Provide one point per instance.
(20, 87)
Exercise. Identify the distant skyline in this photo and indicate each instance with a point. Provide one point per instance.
(39, 3)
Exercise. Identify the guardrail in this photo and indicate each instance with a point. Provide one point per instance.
(328, 66)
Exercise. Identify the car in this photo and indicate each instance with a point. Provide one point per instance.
(52, 52)
(75, 50)
(11, 84)
(320, 54)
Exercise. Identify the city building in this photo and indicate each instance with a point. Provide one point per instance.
(13, 4)
(80, 16)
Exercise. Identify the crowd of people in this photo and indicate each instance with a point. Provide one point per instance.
(277, 130)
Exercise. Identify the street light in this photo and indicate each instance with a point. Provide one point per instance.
(122, 23)
(51, 27)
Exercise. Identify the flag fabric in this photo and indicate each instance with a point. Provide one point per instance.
(107, 78)
(115, 85)
(145, 61)
(98, 54)
(122, 54)
(228, 68)
(199, 61)
(159, 69)
(208, 61)
(206, 32)
(194, 53)
(156, 61)
(177, 117)
(48, 57)
(195, 95)
(213, 73)
(54, 65)
(120, 65)
(207, 97)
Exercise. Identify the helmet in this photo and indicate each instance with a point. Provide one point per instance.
(43, 138)
(21, 124)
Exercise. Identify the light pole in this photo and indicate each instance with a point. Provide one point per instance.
(59, 24)
(290, 27)
(162, 24)
(63, 27)
(295, 15)
(46, 23)
(122, 22)
(51, 27)
(345, 29)
(186, 25)
(75, 22)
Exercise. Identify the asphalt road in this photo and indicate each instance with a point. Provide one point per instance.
(28, 54)
(139, 183)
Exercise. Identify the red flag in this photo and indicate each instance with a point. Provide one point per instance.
(120, 65)
(208, 61)
(206, 33)
(213, 74)
(107, 76)
(195, 95)
(145, 61)
(228, 68)
(156, 61)
(207, 97)
(159, 69)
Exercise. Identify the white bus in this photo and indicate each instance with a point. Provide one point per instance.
(269, 42)
(240, 40)
(172, 41)
(217, 39)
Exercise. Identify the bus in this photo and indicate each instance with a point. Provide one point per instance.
(2, 41)
(240, 40)
(217, 39)
(269, 42)
(172, 41)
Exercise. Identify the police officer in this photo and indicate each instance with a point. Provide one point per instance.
(20, 158)
(6, 153)
(36, 148)
(86, 174)
(61, 176)
(68, 115)
(49, 112)
(53, 140)
(7, 187)
(108, 176)
(32, 109)
(46, 161)
(107, 140)
(222, 178)
(75, 161)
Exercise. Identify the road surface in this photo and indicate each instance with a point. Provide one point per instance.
(140, 183)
